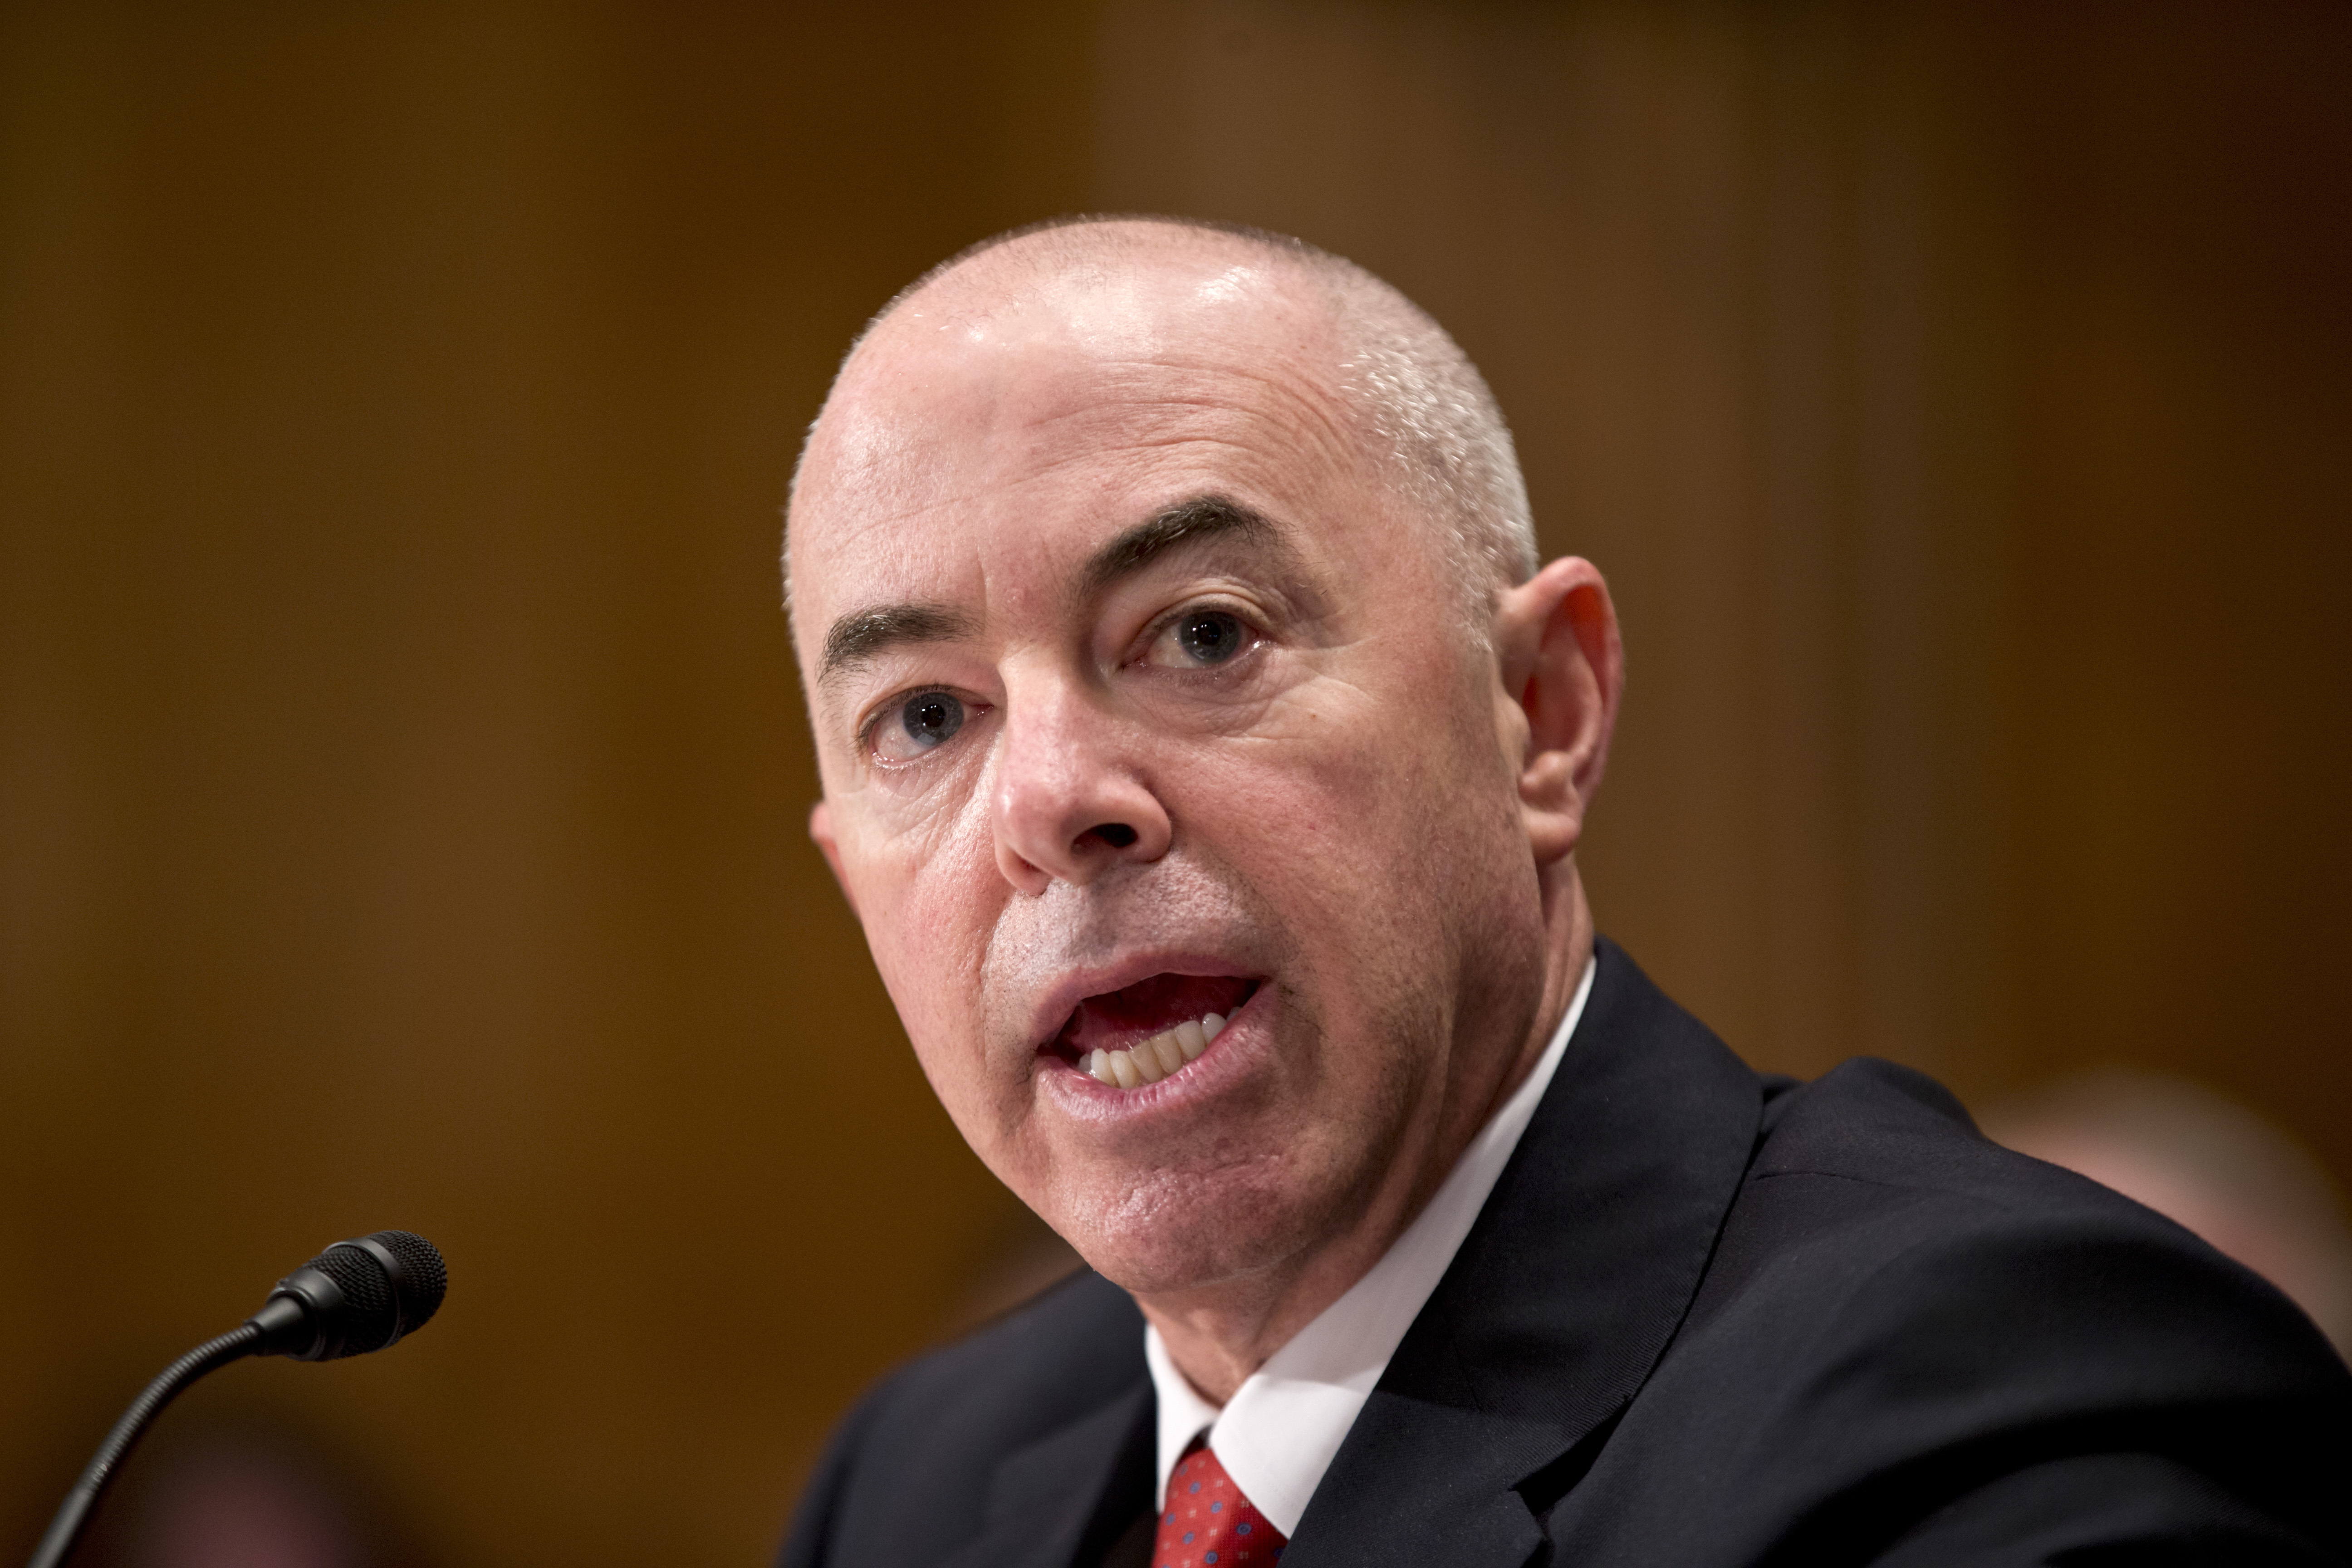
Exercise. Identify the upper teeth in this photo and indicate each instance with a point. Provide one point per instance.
(1155, 1058)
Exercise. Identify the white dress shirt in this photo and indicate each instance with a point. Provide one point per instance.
(1282, 1427)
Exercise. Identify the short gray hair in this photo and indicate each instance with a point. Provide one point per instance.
(1429, 414)
(1437, 423)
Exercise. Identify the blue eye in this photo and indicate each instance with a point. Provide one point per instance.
(1209, 636)
(931, 719)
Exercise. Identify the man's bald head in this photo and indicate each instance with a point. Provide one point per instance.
(1419, 405)
(1162, 596)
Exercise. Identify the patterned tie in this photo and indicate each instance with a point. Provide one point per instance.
(1207, 1522)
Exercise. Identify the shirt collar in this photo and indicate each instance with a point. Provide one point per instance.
(1278, 1433)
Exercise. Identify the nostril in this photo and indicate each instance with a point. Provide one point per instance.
(1118, 835)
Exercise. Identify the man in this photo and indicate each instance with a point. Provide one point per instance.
(1205, 757)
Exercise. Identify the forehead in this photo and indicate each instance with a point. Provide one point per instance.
(998, 424)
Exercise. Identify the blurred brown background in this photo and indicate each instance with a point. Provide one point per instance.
(402, 775)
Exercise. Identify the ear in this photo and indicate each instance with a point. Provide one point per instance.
(820, 829)
(1558, 652)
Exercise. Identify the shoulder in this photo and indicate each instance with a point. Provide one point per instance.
(1871, 1189)
(1875, 1208)
(936, 1428)
(1899, 1310)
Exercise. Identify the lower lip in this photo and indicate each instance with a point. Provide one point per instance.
(1224, 1057)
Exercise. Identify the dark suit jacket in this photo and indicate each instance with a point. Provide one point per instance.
(1706, 1318)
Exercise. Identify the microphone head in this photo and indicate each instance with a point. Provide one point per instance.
(421, 1278)
(355, 1297)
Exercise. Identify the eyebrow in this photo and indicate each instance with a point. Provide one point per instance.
(859, 638)
(1192, 521)
(862, 635)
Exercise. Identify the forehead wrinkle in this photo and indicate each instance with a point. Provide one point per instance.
(1183, 412)
(1243, 432)
(1136, 455)
(982, 493)
(1323, 407)
(884, 445)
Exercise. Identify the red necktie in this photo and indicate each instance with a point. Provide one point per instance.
(1207, 1523)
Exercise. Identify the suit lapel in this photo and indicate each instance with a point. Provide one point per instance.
(1559, 1303)
(1062, 1500)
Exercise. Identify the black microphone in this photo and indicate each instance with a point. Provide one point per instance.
(354, 1298)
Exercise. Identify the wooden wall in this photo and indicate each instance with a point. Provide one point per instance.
(401, 767)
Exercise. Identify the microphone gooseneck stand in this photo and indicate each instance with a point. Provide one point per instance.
(74, 1512)
(357, 1296)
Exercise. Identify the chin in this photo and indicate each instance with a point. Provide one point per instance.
(1169, 1231)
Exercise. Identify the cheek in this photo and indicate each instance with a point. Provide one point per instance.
(1380, 842)
(1337, 789)
(928, 902)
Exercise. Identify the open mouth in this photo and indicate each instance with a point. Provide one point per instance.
(1153, 1029)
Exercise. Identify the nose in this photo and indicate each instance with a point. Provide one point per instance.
(1069, 803)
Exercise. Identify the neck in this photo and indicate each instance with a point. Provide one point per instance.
(1219, 1334)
